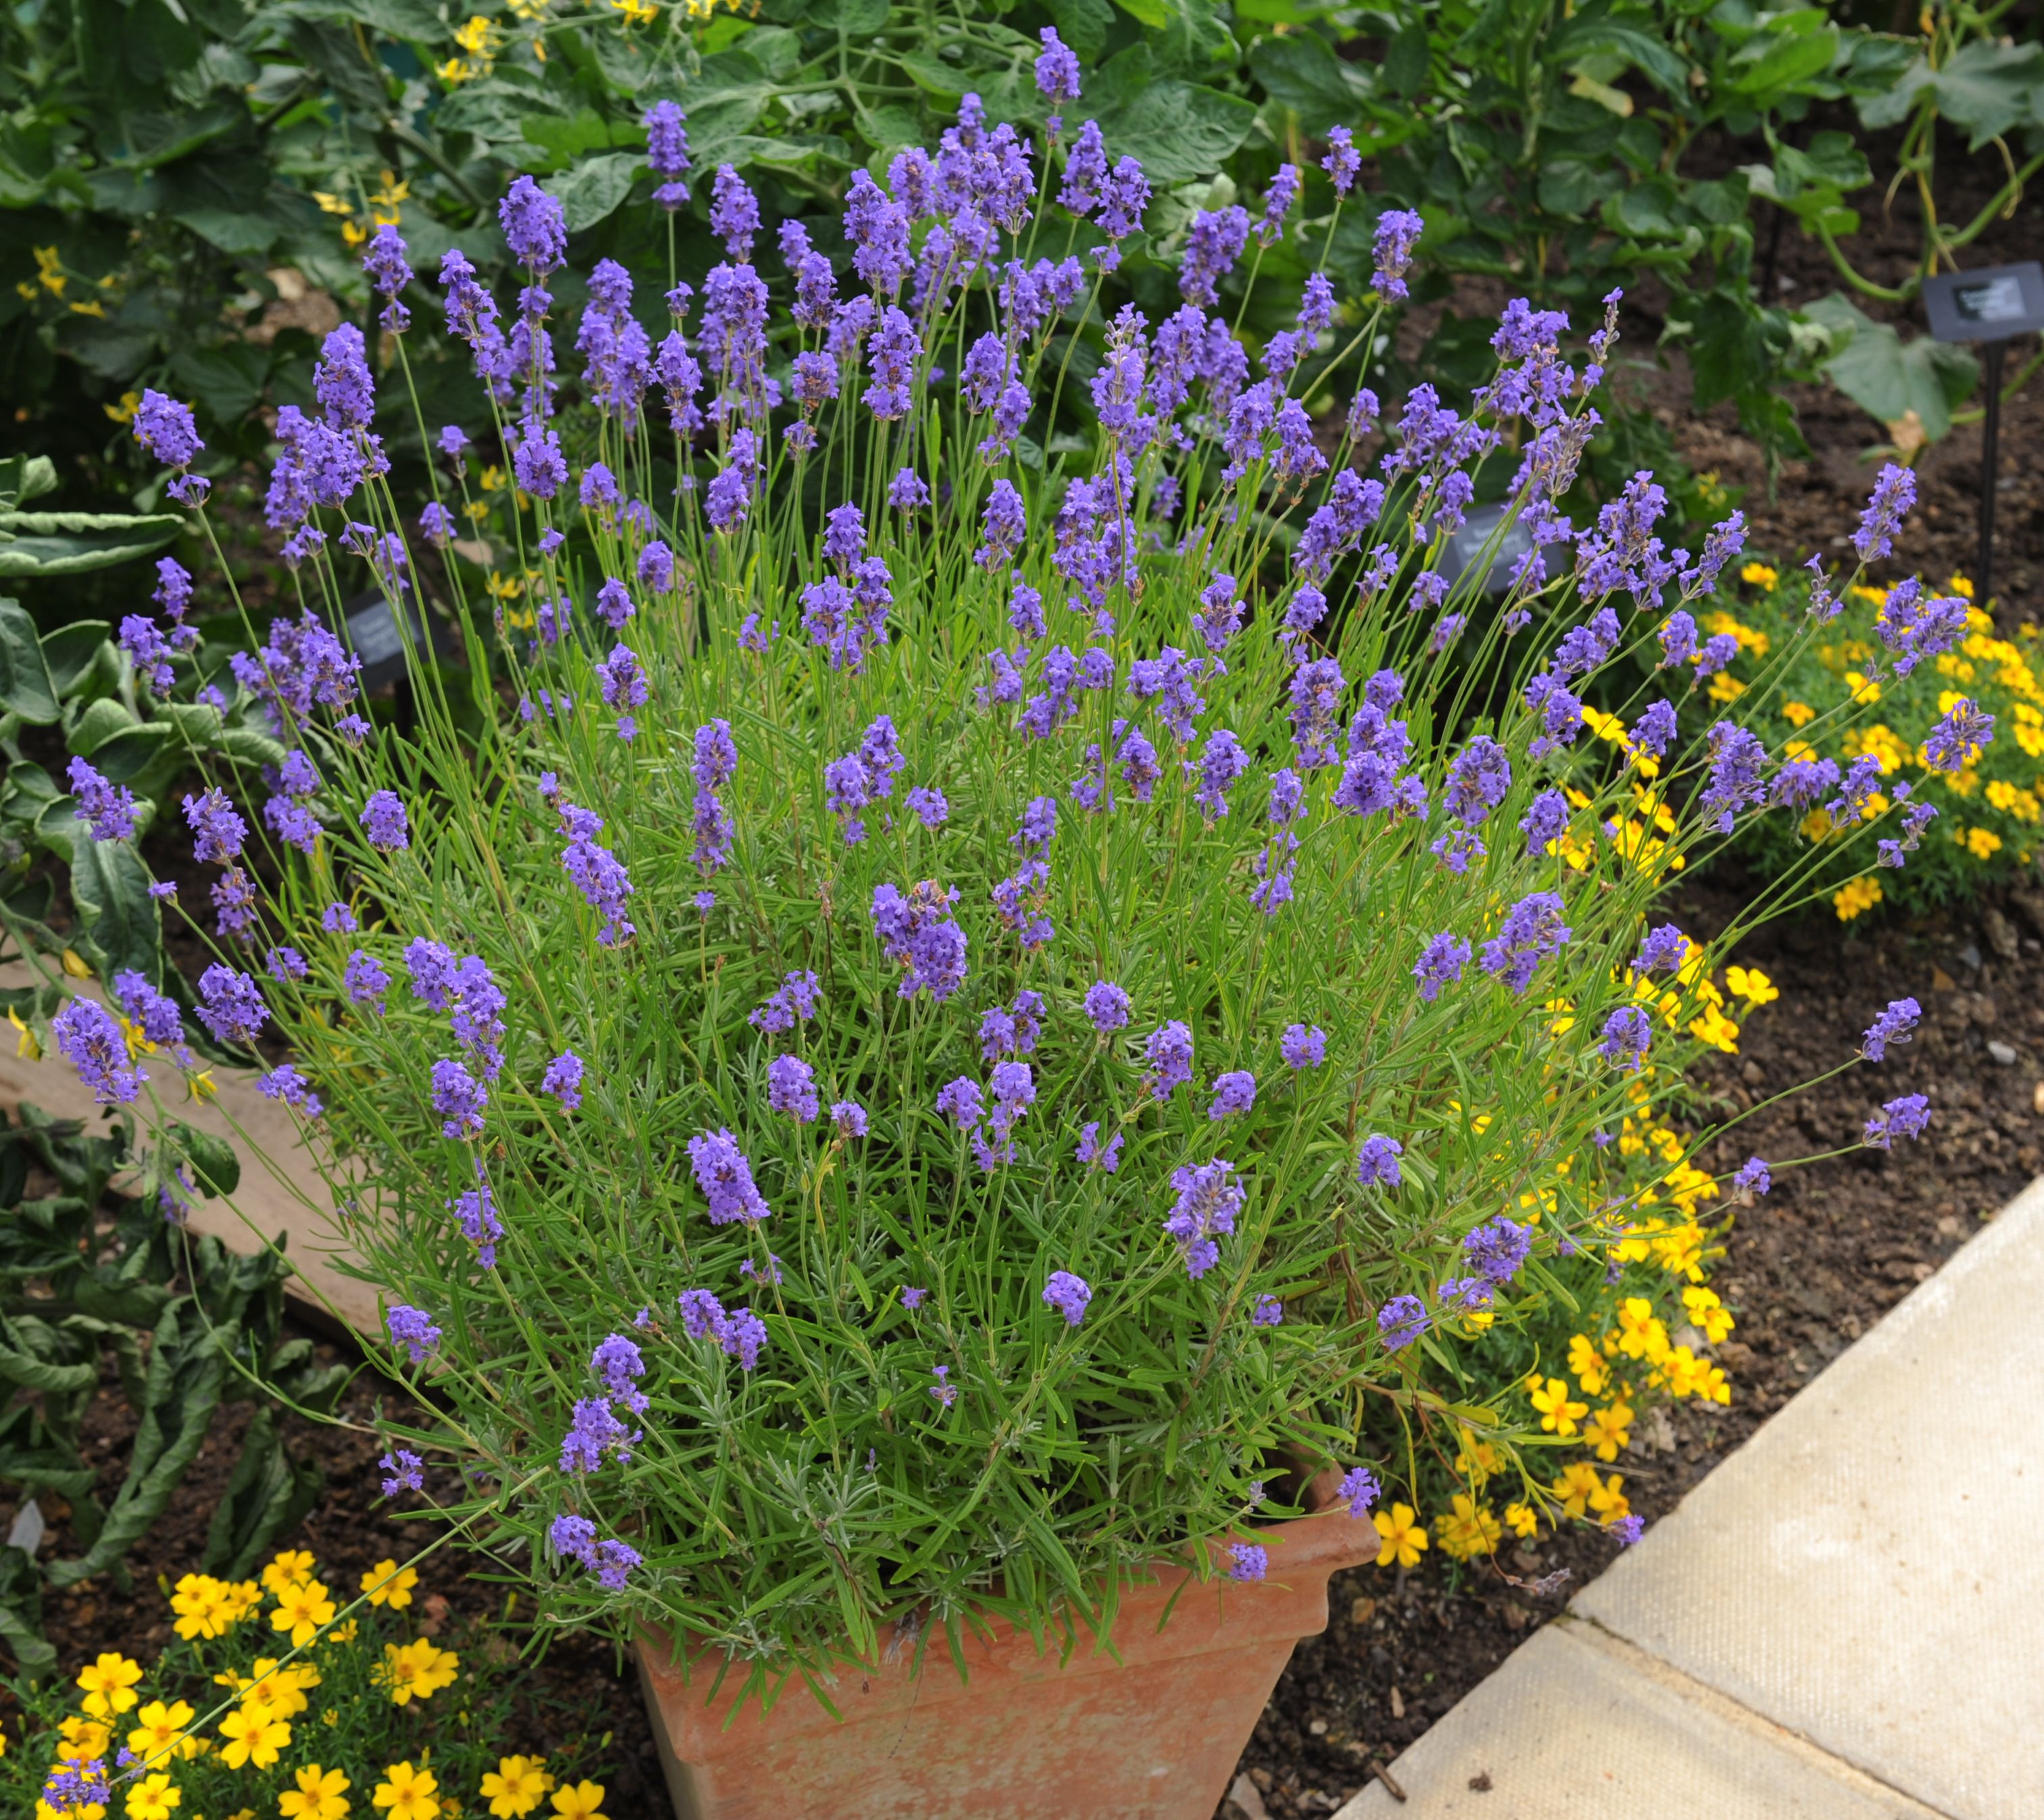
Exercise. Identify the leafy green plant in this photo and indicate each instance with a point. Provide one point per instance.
(920, 1028)
(190, 1327)
(1839, 699)
(45, 544)
(281, 1696)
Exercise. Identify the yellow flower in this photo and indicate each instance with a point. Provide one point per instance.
(410, 1794)
(1588, 1364)
(514, 1788)
(1708, 1313)
(320, 1795)
(153, 1797)
(1640, 1332)
(1716, 1030)
(1758, 575)
(161, 1731)
(1522, 1520)
(416, 1670)
(1469, 1528)
(1726, 688)
(583, 1802)
(1577, 1481)
(1608, 1430)
(252, 1736)
(292, 1568)
(110, 1685)
(25, 1044)
(1983, 843)
(1860, 894)
(1751, 985)
(1608, 1501)
(123, 412)
(1798, 713)
(1478, 1459)
(82, 1739)
(1399, 1537)
(1961, 586)
(301, 1610)
(387, 1583)
(278, 1693)
(1558, 1415)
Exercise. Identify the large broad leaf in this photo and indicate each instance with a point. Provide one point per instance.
(1084, 25)
(1178, 130)
(1987, 88)
(73, 543)
(118, 925)
(1774, 63)
(594, 188)
(24, 477)
(214, 1166)
(72, 650)
(414, 19)
(1581, 40)
(227, 381)
(1299, 71)
(25, 688)
(1990, 88)
(1889, 378)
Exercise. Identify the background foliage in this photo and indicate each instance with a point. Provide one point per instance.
(175, 177)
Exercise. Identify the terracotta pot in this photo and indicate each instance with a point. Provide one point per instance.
(1155, 1736)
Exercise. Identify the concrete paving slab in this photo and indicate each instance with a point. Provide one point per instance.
(283, 1198)
(1868, 1570)
(1576, 1726)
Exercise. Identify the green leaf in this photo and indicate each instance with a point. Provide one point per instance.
(24, 477)
(1406, 63)
(1775, 63)
(1300, 72)
(934, 76)
(26, 687)
(268, 1495)
(214, 1166)
(75, 543)
(1153, 14)
(1585, 39)
(564, 140)
(1989, 88)
(412, 19)
(1889, 378)
(594, 188)
(855, 18)
(1179, 130)
(98, 723)
(229, 380)
(72, 650)
(118, 925)
(1083, 24)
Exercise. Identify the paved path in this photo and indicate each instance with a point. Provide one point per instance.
(1845, 1621)
(281, 1196)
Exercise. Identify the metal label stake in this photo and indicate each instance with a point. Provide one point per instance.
(1991, 306)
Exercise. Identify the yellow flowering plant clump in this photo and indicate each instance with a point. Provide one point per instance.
(1842, 695)
(300, 1694)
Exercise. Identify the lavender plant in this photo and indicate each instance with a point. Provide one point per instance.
(937, 1028)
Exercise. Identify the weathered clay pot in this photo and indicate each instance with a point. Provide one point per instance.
(1154, 1736)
